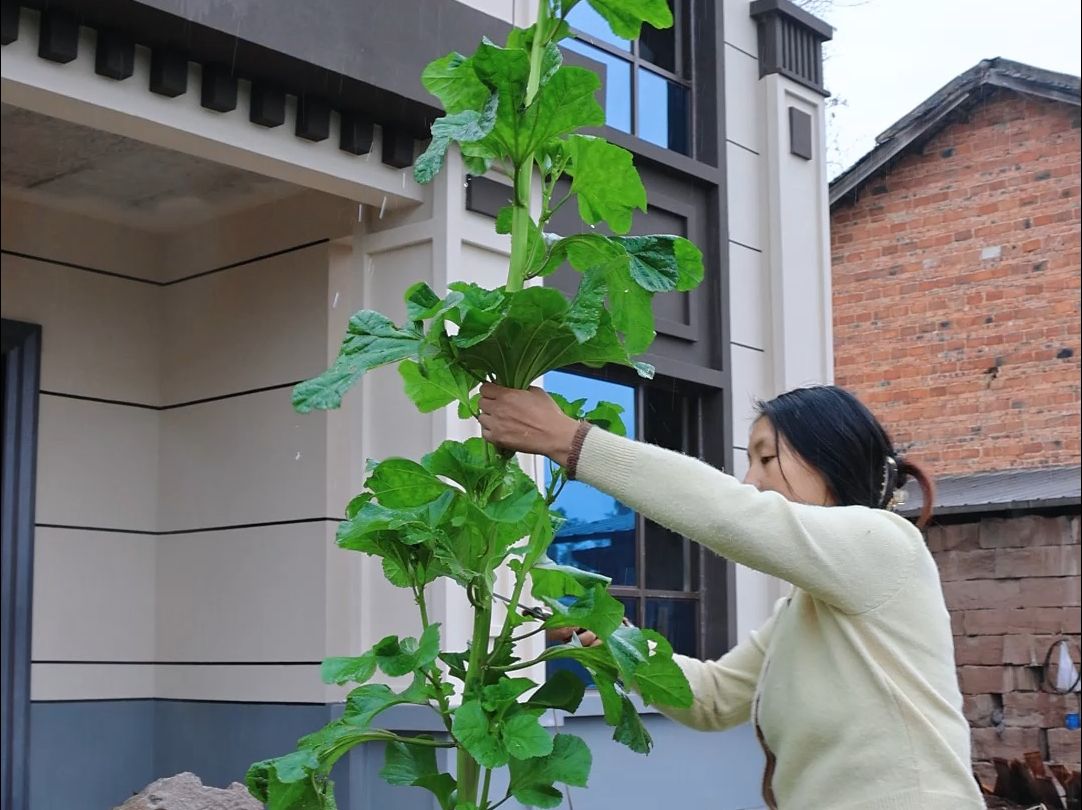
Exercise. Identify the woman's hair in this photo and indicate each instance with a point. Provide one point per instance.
(837, 435)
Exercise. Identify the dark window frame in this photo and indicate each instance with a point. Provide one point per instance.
(684, 76)
(22, 361)
(715, 595)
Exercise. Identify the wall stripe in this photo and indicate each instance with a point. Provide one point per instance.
(749, 247)
(746, 346)
(153, 282)
(745, 148)
(202, 401)
(191, 531)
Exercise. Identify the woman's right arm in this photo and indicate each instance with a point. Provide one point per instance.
(723, 690)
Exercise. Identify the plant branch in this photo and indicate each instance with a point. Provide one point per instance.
(432, 673)
(484, 789)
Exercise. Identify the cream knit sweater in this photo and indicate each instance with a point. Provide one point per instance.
(851, 683)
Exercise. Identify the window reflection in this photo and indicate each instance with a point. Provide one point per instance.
(617, 83)
(599, 532)
(675, 619)
(583, 18)
(663, 112)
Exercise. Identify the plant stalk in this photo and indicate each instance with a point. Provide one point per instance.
(520, 225)
(468, 770)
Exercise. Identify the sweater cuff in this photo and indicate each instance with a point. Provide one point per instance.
(606, 460)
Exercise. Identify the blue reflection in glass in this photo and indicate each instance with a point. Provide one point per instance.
(599, 534)
(583, 18)
(663, 112)
(617, 83)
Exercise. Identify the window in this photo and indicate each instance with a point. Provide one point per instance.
(647, 85)
(655, 572)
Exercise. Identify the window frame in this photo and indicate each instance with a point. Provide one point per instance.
(704, 431)
(683, 57)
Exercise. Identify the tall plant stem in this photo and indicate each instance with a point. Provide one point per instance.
(523, 175)
(468, 770)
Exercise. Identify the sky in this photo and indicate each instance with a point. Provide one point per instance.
(887, 56)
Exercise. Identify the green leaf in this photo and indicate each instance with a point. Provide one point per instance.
(660, 679)
(565, 103)
(625, 17)
(595, 610)
(472, 729)
(630, 730)
(497, 696)
(345, 670)
(533, 780)
(399, 482)
(421, 302)
(466, 463)
(402, 656)
(606, 415)
(453, 81)
(372, 340)
(365, 702)
(466, 126)
(662, 263)
(563, 690)
(605, 181)
(415, 765)
(286, 783)
(523, 736)
(558, 581)
(434, 383)
(584, 313)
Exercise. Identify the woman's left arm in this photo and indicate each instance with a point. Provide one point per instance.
(849, 556)
(852, 557)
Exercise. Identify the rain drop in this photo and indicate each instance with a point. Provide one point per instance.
(382, 206)
(334, 303)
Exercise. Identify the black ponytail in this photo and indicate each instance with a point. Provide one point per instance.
(836, 434)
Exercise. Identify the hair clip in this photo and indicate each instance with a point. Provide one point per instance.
(897, 499)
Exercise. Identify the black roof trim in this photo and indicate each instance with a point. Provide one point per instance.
(931, 114)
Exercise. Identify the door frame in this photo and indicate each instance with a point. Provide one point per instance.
(22, 364)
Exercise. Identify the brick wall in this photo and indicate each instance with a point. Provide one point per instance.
(1012, 587)
(956, 291)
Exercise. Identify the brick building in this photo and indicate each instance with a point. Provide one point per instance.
(955, 253)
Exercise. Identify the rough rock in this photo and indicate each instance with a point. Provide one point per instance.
(186, 791)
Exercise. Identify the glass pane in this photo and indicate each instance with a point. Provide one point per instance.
(676, 620)
(583, 18)
(671, 562)
(599, 533)
(659, 47)
(666, 559)
(631, 608)
(617, 83)
(663, 112)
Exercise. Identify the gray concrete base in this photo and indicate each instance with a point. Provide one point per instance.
(96, 754)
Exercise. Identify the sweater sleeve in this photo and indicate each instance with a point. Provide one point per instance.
(851, 557)
(723, 689)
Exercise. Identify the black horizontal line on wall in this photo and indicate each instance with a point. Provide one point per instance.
(232, 527)
(746, 346)
(202, 401)
(741, 146)
(154, 282)
(749, 247)
(186, 700)
(179, 663)
(243, 262)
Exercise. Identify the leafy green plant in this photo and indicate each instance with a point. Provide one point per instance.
(467, 508)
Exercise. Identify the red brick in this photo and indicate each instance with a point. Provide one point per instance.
(976, 594)
(957, 565)
(956, 537)
(996, 680)
(1037, 709)
(982, 710)
(1054, 561)
(1065, 746)
(1024, 531)
(1007, 621)
(1010, 743)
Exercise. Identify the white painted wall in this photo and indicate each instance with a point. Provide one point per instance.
(779, 271)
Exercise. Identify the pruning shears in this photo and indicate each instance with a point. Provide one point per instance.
(534, 612)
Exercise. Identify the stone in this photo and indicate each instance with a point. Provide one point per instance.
(186, 791)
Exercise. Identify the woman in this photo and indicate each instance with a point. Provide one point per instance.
(851, 683)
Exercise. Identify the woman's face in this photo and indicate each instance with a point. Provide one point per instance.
(769, 456)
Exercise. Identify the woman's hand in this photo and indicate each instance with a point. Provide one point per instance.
(526, 422)
(562, 635)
